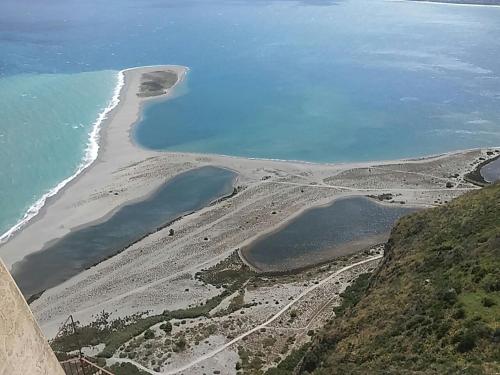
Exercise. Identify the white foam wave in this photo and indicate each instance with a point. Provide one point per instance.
(91, 152)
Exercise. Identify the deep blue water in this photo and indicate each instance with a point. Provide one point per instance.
(314, 80)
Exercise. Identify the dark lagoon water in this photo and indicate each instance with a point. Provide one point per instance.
(85, 247)
(346, 226)
(491, 171)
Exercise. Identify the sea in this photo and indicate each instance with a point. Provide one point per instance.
(310, 80)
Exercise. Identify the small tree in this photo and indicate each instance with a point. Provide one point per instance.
(167, 327)
(148, 335)
(181, 344)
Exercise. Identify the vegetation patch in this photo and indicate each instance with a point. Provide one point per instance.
(353, 294)
(290, 364)
(231, 274)
(432, 307)
(126, 369)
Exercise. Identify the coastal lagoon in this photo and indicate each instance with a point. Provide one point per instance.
(322, 81)
(324, 233)
(91, 244)
(491, 171)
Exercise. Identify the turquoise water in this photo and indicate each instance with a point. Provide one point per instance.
(44, 131)
(311, 80)
(359, 80)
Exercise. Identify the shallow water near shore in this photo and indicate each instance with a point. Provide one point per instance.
(320, 234)
(44, 134)
(87, 246)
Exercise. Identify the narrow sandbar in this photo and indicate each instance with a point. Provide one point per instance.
(67, 209)
(157, 272)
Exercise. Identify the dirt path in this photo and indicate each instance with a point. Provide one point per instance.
(368, 190)
(255, 329)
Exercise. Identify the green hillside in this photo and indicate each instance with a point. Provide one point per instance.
(433, 306)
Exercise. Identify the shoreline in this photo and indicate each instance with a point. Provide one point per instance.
(95, 148)
(91, 154)
(74, 256)
(245, 248)
(105, 132)
(156, 271)
(96, 143)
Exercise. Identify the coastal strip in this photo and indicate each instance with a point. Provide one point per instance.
(108, 148)
(91, 151)
(90, 155)
(157, 272)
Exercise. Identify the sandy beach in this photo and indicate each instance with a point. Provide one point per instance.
(157, 272)
(116, 151)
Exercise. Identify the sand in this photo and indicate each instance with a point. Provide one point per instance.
(157, 273)
(116, 151)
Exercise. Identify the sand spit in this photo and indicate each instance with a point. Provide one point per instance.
(157, 272)
(116, 151)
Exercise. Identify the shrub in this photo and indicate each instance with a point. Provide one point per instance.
(466, 343)
(166, 327)
(148, 335)
(491, 283)
(449, 296)
(180, 345)
(487, 302)
(459, 313)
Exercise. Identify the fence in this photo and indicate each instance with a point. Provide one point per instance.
(80, 364)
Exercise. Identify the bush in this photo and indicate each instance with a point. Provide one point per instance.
(487, 302)
(180, 345)
(166, 327)
(126, 369)
(466, 343)
(491, 283)
(148, 335)
(449, 296)
(288, 365)
(459, 313)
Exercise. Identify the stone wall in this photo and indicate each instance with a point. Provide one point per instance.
(23, 348)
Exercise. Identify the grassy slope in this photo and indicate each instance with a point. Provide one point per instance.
(434, 304)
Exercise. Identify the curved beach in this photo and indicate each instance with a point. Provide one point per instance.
(157, 272)
(109, 148)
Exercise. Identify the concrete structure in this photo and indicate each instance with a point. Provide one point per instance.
(23, 348)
